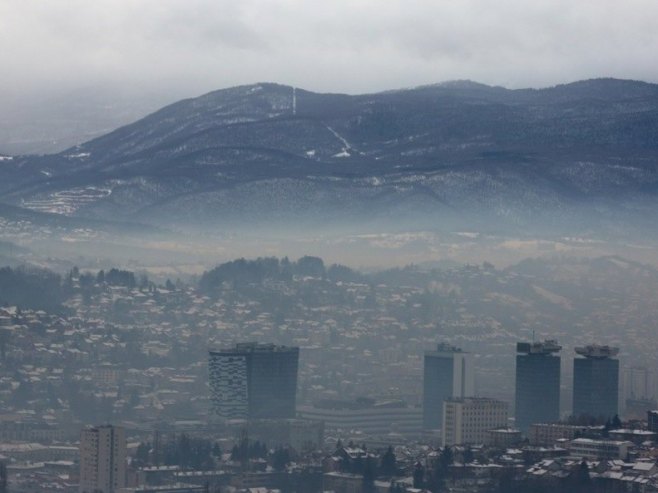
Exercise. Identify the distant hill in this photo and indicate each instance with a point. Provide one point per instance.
(576, 157)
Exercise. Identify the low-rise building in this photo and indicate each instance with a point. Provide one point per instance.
(376, 418)
(549, 433)
(502, 437)
(636, 436)
(587, 448)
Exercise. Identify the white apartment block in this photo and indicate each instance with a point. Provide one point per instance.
(467, 420)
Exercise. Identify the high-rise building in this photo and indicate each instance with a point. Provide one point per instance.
(467, 420)
(596, 381)
(252, 381)
(102, 459)
(447, 374)
(537, 395)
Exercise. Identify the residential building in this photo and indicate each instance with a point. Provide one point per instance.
(102, 459)
(447, 373)
(467, 420)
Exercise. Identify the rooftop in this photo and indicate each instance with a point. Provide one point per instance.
(597, 352)
(549, 346)
(253, 347)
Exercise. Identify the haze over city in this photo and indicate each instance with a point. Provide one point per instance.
(350, 247)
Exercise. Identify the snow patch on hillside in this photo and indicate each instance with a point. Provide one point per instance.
(67, 202)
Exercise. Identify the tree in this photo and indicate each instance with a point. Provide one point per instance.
(440, 471)
(616, 423)
(446, 458)
(235, 454)
(506, 482)
(583, 474)
(419, 476)
(310, 266)
(468, 455)
(368, 476)
(3, 477)
(388, 462)
(280, 459)
(133, 398)
(142, 453)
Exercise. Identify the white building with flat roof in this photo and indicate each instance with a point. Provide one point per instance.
(587, 448)
(467, 420)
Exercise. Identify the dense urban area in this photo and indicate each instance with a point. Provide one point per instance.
(181, 386)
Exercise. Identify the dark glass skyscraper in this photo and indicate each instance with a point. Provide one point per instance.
(447, 374)
(596, 381)
(252, 381)
(537, 383)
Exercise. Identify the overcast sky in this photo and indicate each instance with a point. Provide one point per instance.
(331, 45)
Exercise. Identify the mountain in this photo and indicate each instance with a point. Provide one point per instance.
(580, 157)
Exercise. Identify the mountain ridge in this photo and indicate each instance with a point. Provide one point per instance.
(433, 156)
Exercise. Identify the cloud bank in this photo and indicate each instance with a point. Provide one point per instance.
(340, 45)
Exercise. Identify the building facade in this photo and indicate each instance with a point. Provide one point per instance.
(596, 382)
(373, 420)
(447, 373)
(253, 381)
(549, 433)
(586, 448)
(467, 420)
(537, 396)
(503, 438)
(102, 459)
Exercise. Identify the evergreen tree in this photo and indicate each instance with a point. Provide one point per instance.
(419, 476)
(446, 458)
(368, 476)
(235, 453)
(142, 453)
(3, 477)
(468, 455)
(388, 463)
(616, 423)
(582, 477)
(280, 459)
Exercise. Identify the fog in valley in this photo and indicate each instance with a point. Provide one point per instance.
(279, 247)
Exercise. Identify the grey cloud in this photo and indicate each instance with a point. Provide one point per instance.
(342, 45)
